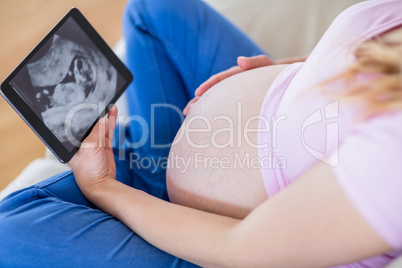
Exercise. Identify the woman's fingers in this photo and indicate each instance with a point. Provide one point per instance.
(248, 63)
(291, 60)
(102, 133)
(215, 79)
(103, 127)
(244, 63)
(97, 136)
(188, 106)
(112, 116)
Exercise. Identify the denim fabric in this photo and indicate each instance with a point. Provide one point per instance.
(172, 47)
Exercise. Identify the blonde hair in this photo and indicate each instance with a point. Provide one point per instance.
(381, 58)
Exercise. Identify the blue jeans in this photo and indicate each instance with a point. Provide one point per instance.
(172, 47)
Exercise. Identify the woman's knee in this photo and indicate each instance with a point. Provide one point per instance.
(149, 15)
(15, 201)
(62, 187)
(34, 228)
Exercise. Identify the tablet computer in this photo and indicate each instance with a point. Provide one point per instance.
(67, 82)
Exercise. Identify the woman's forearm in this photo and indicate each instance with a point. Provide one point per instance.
(200, 237)
(289, 230)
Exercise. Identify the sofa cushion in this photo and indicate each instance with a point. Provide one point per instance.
(282, 28)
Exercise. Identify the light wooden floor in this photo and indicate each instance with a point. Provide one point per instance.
(23, 23)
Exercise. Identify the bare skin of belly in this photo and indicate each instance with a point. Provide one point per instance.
(211, 164)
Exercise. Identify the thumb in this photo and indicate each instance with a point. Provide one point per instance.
(112, 120)
(97, 136)
(102, 133)
(248, 63)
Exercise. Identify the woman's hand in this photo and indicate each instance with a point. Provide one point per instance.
(94, 164)
(244, 64)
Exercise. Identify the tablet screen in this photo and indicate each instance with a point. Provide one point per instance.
(67, 83)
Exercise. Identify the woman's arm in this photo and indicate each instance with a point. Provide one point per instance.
(199, 237)
(310, 224)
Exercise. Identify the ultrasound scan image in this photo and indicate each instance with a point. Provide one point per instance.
(67, 72)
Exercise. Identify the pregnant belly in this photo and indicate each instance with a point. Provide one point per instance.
(213, 162)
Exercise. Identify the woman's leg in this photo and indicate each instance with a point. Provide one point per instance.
(53, 225)
(172, 47)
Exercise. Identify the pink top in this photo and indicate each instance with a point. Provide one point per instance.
(308, 127)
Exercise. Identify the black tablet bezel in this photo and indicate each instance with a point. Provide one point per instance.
(29, 116)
